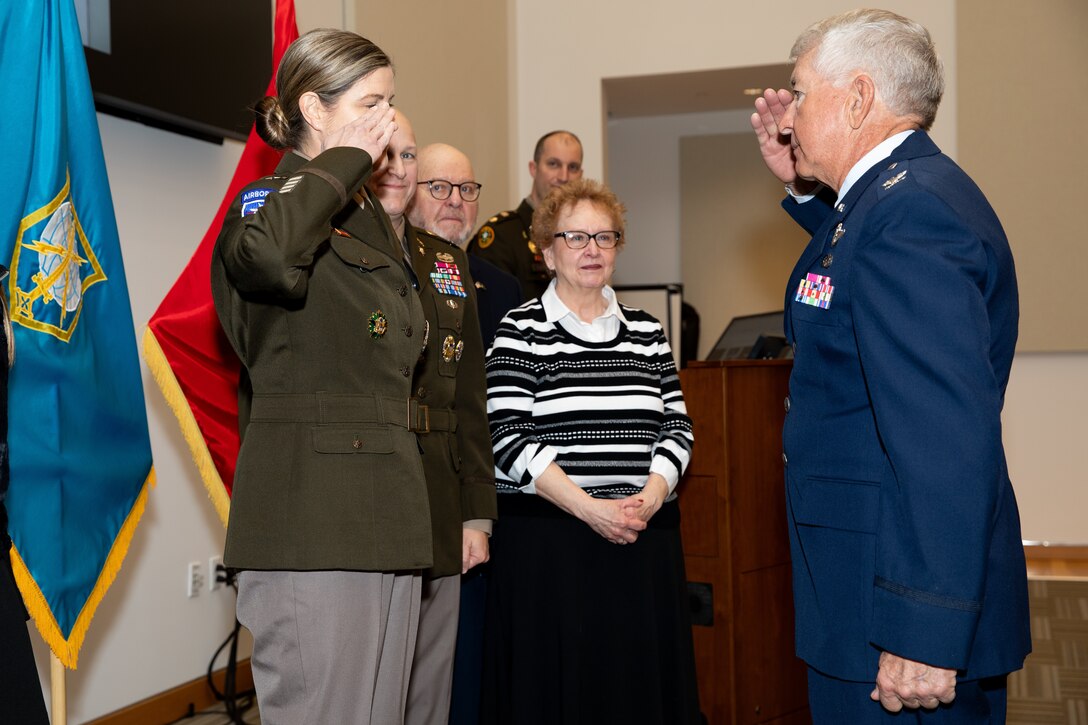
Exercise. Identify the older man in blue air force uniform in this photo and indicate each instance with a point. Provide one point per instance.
(909, 576)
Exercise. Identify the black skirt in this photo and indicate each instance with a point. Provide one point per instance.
(580, 630)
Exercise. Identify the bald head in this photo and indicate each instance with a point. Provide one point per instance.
(453, 218)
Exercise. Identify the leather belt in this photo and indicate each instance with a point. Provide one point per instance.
(353, 408)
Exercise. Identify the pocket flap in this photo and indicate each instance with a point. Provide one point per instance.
(349, 439)
(840, 504)
(357, 254)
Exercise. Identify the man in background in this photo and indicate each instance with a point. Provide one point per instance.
(505, 240)
(447, 204)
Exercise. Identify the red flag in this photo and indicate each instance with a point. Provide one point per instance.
(185, 347)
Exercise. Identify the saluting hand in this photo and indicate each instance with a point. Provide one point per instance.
(370, 132)
(773, 144)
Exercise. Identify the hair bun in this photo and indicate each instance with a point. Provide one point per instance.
(271, 122)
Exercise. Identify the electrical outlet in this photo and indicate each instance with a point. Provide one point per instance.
(214, 584)
(194, 579)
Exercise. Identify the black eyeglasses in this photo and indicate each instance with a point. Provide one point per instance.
(579, 240)
(441, 189)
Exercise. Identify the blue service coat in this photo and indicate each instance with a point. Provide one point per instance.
(904, 529)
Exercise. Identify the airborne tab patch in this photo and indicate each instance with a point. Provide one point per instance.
(253, 200)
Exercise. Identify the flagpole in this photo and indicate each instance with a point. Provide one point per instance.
(56, 687)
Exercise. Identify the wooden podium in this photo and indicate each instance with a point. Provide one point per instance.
(736, 545)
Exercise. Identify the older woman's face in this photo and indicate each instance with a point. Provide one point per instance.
(587, 268)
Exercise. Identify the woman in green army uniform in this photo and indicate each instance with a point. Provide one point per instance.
(329, 522)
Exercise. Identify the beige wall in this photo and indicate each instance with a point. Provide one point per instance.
(1022, 139)
(451, 60)
(565, 47)
(739, 246)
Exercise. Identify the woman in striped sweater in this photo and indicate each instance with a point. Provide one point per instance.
(588, 611)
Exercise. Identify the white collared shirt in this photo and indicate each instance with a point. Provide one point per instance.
(602, 329)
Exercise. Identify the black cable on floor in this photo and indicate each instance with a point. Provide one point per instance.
(235, 703)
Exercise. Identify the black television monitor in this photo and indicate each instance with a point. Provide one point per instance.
(751, 337)
(195, 68)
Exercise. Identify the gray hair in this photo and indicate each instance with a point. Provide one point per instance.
(896, 52)
(326, 62)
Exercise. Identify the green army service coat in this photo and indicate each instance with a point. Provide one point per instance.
(311, 289)
(459, 464)
(506, 242)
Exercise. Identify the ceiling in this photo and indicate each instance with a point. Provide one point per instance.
(689, 92)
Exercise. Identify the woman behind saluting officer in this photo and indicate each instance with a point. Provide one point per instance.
(587, 602)
(329, 521)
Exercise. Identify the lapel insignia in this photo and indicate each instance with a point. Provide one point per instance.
(458, 350)
(446, 278)
(420, 249)
(377, 324)
(340, 232)
(480, 285)
(839, 231)
(533, 248)
(815, 290)
(895, 179)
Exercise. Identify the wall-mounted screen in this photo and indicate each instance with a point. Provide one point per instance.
(195, 67)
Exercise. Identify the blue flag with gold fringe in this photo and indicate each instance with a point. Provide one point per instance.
(79, 448)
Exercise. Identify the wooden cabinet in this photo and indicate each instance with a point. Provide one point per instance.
(732, 503)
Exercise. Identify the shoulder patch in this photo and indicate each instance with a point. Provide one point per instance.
(253, 199)
(485, 237)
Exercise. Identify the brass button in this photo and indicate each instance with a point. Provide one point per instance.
(421, 392)
(403, 290)
(407, 330)
(406, 371)
(786, 403)
(356, 444)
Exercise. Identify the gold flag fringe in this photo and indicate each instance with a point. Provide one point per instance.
(198, 447)
(67, 649)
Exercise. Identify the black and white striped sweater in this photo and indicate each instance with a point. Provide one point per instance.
(613, 412)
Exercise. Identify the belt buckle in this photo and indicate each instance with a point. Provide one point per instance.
(423, 415)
